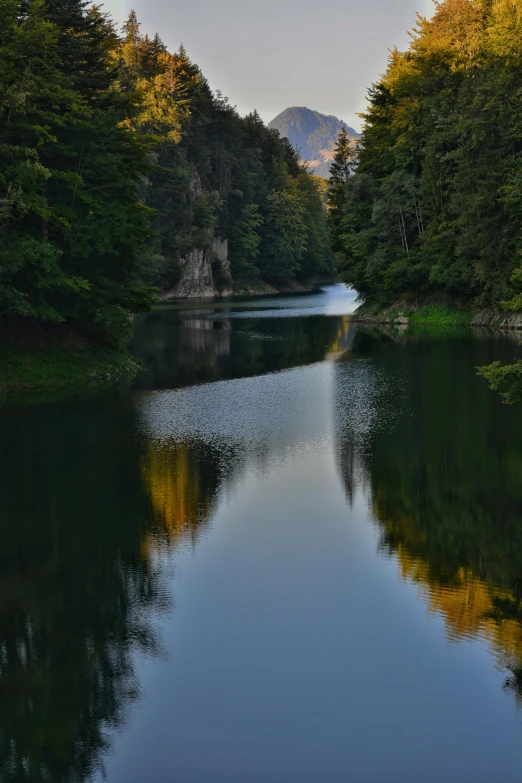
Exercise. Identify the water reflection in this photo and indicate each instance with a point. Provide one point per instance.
(185, 347)
(443, 459)
(77, 593)
(90, 493)
(182, 479)
(86, 505)
(97, 496)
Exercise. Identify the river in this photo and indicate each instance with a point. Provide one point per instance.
(291, 554)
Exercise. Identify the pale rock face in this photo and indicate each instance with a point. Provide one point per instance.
(197, 280)
(488, 318)
(195, 184)
(512, 322)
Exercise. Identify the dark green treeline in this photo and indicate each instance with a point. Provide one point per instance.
(117, 161)
(434, 211)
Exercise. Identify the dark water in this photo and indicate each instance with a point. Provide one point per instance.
(294, 555)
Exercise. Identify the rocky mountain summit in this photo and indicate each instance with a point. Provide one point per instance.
(313, 133)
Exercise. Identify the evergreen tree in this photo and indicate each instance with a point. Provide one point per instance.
(117, 162)
(340, 171)
(245, 242)
(285, 241)
(440, 161)
(73, 226)
(316, 259)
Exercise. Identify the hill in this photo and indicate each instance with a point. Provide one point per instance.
(313, 133)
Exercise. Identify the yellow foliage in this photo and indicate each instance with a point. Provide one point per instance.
(173, 479)
(467, 603)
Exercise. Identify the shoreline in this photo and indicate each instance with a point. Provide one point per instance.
(252, 288)
(404, 316)
(51, 366)
(45, 362)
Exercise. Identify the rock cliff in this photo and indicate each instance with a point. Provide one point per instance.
(206, 273)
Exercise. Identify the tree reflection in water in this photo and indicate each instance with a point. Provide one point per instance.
(86, 498)
(79, 584)
(88, 494)
(199, 346)
(443, 462)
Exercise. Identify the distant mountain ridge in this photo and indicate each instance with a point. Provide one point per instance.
(313, 133)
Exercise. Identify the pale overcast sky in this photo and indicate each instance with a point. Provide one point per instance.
(271, 54)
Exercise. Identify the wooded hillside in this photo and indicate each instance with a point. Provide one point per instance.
(119, 166)
(434, 211)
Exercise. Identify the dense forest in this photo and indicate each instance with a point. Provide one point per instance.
(433, 211)
(122, 173)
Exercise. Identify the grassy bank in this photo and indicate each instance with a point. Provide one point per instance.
(429, 315)
(437, 315)
(40, 367)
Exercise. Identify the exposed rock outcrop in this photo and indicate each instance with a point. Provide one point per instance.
(500, 321)
(196, 281)
(384, 317)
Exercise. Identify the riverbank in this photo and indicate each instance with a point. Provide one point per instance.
(255, 287)
(434, 315)
(292, 286)
(46, 361)
(36, 367)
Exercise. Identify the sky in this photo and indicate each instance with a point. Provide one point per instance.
(272, 54)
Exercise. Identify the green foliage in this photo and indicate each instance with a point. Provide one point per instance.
(71, 223)
(245, 241)
(506, 379)
(285, 241)
(54, 360)
(317, 255)
(340, 170)
(217, 175)
(434, 209)
(438, 315)
(117, 161)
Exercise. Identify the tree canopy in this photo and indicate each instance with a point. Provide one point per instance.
(434, 209)
(117, 161)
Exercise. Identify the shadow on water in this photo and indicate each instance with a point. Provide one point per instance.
(443, 459)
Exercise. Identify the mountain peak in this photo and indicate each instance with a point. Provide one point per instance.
(313, 133)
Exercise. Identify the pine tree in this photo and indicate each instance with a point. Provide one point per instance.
(31, 272)
(340, 171)
(70, 171)
(117, 161)
(286, 234)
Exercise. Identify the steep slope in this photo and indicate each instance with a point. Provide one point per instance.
(313, 133)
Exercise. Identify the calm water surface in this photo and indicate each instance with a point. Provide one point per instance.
(292, 554)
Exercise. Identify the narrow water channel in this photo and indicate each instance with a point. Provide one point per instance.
(292, 554)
